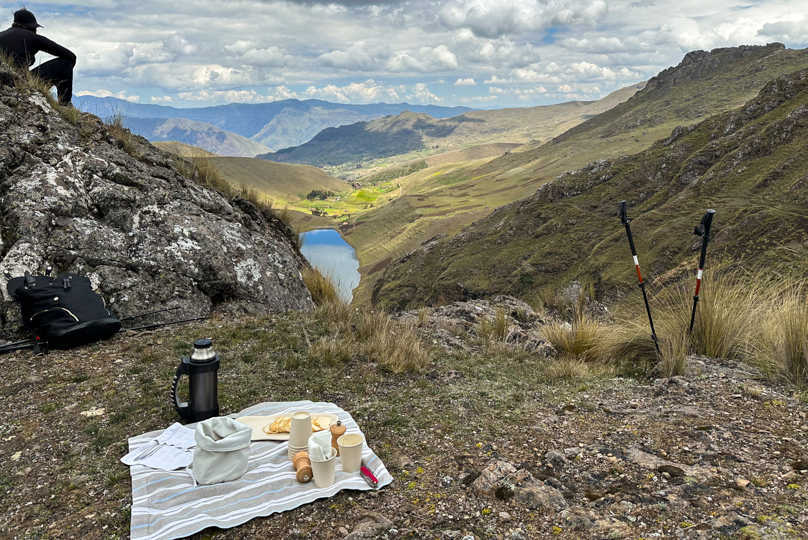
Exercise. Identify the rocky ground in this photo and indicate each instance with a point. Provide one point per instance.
(486, 444)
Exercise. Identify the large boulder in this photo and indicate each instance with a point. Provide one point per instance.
(73, 197)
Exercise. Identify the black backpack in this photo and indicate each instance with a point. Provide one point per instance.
(62, 311)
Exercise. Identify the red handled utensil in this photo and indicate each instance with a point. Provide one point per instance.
(368, 476)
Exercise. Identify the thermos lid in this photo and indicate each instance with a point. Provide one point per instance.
(203, 351)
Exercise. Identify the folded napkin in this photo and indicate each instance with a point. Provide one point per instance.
(320, 448)
(174, 450)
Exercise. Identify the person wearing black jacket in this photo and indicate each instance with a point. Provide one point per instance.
(21, 42)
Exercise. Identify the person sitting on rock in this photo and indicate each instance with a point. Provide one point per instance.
(20, 43)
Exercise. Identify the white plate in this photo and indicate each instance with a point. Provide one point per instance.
(257, 424)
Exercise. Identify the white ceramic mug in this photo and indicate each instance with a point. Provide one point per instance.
(350, 451)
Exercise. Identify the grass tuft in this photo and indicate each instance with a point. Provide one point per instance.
(782, 350)
(127, 141)
(321, 287)
(583, 339)
(394, 346)
(202, 170)
(496, 329)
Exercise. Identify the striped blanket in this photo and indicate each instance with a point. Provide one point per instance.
(166, 505)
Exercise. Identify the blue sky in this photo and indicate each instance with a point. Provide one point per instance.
(477, 53)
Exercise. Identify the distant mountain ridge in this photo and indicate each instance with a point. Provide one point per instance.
(410, 131)
(194, 133)
(276, 125)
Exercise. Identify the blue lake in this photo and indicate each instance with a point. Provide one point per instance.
(326, 250)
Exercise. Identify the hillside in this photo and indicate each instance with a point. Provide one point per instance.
(749, 164)
(281, 182)
(446, 199)
(410, 131)
(714, 454)
(182, 149)
(194, 133)
(278, 124)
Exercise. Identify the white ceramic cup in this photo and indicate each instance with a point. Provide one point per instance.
(300, 430)
(350, 451)
(324, 471)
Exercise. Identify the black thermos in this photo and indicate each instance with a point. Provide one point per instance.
(203, 396)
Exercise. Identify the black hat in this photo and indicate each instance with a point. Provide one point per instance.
(26, 18)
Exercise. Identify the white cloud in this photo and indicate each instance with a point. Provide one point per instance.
(475, 99)
(156, 49)
(162, 99)
(685, 34)
(421, 94)
(366, 92)
(499, 52)
(504, 17)
(269, 56)
(106, 93)
(361, 56)
(465, 82)
(424, 60)
(789, 30)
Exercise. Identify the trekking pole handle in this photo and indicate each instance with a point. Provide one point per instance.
(623, 213)
(703, 230)
(627, 223)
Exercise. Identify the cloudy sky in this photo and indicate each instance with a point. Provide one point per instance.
(477, 53)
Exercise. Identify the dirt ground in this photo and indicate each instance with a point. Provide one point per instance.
(718, 453)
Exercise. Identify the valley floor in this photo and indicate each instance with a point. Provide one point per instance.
(715, 454)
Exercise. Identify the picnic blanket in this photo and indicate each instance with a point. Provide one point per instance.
(166, 505)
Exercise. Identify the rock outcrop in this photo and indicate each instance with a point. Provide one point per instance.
(73, 197)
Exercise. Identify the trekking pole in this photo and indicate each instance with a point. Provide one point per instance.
(130, 317)
(703, 230)
(627, 224)
(17, 345)
(160, 325)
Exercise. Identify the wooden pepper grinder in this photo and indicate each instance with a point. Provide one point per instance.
(337, 431)
(302, 465)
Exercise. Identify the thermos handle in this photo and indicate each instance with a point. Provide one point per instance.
(183, 369)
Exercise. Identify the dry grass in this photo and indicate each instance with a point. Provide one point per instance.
(322, 287)
(782, 349)
(70, 114)
(332, 350)
(394, 346)
(496, 329)
(747, 316)
(127, 141)
(565, 369)
(583, 339)
(201, 170)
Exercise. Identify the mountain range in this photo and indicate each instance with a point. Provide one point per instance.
(222, 129)
(412, 131)
(717, 147)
